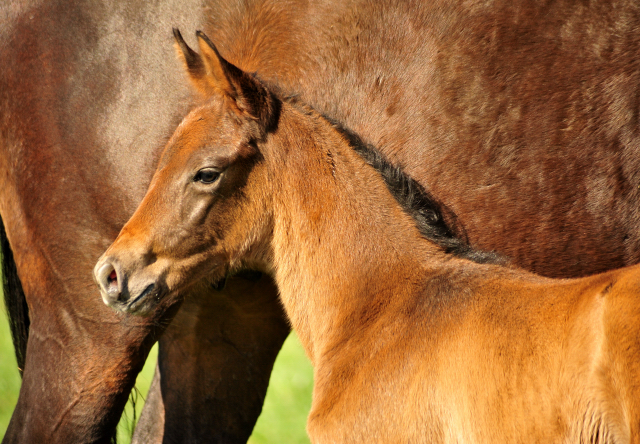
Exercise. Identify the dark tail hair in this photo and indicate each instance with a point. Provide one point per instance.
(14, 300)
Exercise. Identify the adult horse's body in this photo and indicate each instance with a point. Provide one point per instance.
(409, 343)
(519, 116)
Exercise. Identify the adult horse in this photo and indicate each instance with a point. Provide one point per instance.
(519, 116)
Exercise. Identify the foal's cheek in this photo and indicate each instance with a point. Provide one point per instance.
(196, 212)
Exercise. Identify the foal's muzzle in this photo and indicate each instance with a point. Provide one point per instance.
(122, 292)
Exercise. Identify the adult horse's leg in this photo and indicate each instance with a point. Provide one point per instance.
(81, 360)
(214, 362)
(76, 152)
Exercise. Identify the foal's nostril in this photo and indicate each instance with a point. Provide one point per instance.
(112, 281)
(107, 277)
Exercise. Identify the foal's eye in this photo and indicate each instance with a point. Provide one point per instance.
(206, 175)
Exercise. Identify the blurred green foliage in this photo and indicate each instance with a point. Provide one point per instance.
(9, 375)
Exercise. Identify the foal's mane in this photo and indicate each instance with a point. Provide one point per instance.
(427, 212)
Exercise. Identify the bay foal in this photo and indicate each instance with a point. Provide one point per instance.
(411, 341)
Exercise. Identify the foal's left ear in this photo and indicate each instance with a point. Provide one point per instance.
(212, 74)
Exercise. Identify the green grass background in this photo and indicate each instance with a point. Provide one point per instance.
(282, 420)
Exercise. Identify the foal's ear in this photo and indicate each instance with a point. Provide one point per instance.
(212, 74)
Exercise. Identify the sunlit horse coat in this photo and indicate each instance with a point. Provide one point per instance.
(409, 342)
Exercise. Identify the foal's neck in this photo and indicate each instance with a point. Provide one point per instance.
(341, 241)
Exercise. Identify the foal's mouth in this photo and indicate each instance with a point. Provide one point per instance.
(149, 297)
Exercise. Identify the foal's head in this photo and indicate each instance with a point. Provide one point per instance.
(206, 209)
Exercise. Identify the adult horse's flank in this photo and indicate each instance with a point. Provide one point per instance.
(409, 343)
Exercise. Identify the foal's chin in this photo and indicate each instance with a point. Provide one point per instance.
(143, 304)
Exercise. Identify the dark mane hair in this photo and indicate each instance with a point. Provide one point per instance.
(427, 212)
(433, 219)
